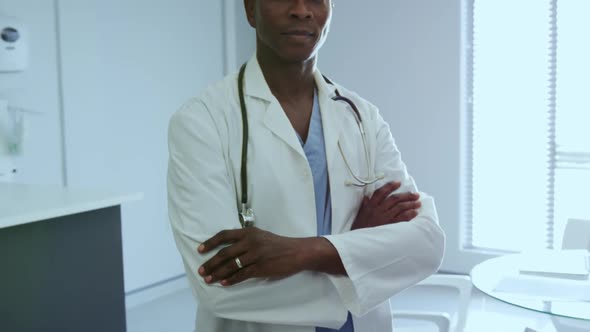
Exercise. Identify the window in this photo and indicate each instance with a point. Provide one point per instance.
(528, 82)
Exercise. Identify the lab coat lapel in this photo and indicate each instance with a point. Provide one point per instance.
(276, 121)
(274, 117)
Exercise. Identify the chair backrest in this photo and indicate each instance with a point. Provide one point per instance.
(440, 292)
(569, 324)
(576, 234)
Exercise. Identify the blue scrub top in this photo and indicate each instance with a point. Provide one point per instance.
(315, 151)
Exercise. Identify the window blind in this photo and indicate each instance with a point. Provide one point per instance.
(528, 122)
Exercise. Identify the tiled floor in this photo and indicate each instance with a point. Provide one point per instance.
(172, 313)
(176, 313)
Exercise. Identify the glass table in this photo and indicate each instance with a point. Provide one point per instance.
(500, 278)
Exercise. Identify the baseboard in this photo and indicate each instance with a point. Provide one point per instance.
(152, 292)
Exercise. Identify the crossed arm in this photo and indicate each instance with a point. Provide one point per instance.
(359, 273)
(266, 255)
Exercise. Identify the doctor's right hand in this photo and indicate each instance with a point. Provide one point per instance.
(383, 208)
(254, 253)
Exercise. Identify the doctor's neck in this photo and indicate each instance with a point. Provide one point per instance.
(287, 79)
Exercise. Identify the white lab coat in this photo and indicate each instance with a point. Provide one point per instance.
(205, 139)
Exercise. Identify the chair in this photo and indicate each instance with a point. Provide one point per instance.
(442, 320)
(576, 234)
(432, 300)
(564, 324)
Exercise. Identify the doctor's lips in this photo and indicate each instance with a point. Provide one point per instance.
(298, 32)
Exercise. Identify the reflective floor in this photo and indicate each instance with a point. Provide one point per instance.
(176, 312)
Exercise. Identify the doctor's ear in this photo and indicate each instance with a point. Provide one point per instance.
(250, 8)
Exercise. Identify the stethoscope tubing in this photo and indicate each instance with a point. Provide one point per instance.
(244, 166)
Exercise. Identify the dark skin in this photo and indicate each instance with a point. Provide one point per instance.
(289, 35)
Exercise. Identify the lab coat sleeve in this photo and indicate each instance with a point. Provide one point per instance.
(202, 202)
(384, 260)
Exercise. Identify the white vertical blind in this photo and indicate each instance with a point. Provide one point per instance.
(530, 117)
(551, 133)
(509, 122)
(572, 185)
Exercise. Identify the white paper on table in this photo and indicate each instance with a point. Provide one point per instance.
(545, 288)
(557, 263)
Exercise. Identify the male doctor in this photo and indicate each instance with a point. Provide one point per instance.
(326, 251)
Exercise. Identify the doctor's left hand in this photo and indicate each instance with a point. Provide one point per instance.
(261, 254)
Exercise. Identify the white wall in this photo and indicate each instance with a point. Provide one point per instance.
(126, 66)
(405, 57)
(245, 35)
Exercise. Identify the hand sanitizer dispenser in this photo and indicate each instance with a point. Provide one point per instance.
(12, 128)
(14, 51)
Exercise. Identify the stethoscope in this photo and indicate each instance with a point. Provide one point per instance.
(247, 216)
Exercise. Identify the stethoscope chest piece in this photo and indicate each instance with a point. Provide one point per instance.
(247, 217)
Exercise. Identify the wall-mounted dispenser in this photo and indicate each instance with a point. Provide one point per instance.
(14, 50)
(12, 128)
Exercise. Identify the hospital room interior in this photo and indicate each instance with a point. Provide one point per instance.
(486, 100)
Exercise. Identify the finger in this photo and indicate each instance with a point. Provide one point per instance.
(380, 194)
(224, 255)
(365, 201)
(240, 276)
(230, 267)
(403, 207)
(364, 204)
(406, 215)
(393, 200)
(223, 237)
(402, 217)
(360, 220)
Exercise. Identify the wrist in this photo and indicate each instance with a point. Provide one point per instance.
(319, 255)
(308, 253)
